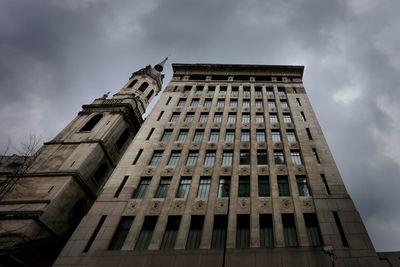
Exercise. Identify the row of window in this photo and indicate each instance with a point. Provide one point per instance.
(142, 88)
(233, 103)
(223, 186)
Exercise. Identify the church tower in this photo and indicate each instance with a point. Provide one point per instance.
(48, 201)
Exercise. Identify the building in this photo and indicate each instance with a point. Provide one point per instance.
(231, 168)
(45, 203)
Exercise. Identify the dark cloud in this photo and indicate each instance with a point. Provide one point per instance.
(57, 55)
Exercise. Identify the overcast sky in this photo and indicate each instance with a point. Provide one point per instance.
(56, 55)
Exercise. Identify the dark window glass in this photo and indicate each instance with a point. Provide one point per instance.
(244, 186)
(142, 187)
(171, 232)
(266, 231)
(195, 231)
(163, 187)
(289, 230)
(91, 123)
(143, 87)
(122, 231)
(146, 233)
(123, 138)
(314, 235)
(244, 157)
(219, 231)
(263, 186)
(100, 173)
(283, 186)
(243, 231)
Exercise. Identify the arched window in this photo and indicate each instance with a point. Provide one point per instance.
(150, 94)
(91, 123)
(100, 173)
(143, 87)
(132, 83)
(123, 138)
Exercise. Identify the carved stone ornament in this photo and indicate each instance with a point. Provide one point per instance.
(264, 203)
(307, 203)
(286, 203)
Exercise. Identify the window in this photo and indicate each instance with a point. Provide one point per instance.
(192, 158)
(187, 88)
(233, 103)
(340, 228)
(211, 90)
(168, 100)
(244, 186)
(195, 231)
(244, 157)
(219, 231)
(91, 123)
(198, 136)
(203, 117)
(224, 186)
(146, 233)
(207, 102)
(243, 231)
(276, 136)
(281, 91)
(259, 104)
(141, 189)
(137, 156)
(235, 91)
(296, 158)
(266, 231)
(257, 91)
(189, 117)
(287, 118)
(182, 135)
(174, 158)
(204, 187)
(297, 99)
(246, 91)
(262, 157)
(245, 136)
(325, 183)
(183, 188)
(100, 173)
(313, 233)
(195, 102)
(291, 136)
(122, 231)
(260, 136)
(315, 155)
(283, 186)
(273, 118)
(171, 232)
(270, 91)
(209, 159)
(303, 116)
(121, 186)
(143, 87)
(271, 104)
(199, 88)
(123, 138)
(246, 104)
(166, 135)
(150, 133)
(302, 186)
(217, 117)
(230, 136)
(94, 234)
(227, 158)
(263, 186)
(309, 134)
(160, 116)
(259, 118)
(222, 90)
(150, 94)
(220, 103)
(231, 118)
(163, 187)
(214, 136)
(174, 117)
(132, 83)
(279, 157)
(245, 118)
(289, 230)
(181, 102)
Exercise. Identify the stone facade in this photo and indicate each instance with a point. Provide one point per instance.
(303, 197)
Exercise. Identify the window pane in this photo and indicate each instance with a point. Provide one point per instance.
(192, 158)
(291, 137)
(314, 235)
(183, 188)
(231, 118)
(219, 231)
(271, 104)
(260, 136)
(171, 232)
(296, 159)
(122, 231)
(142, 187)
(227, 158)
(204, 187)
(155, 160)
(195, 102)
(217, 117)
(302, 186)
(163, 187)
(174, 158)
(244, 157)
(246, 103)
(259, 118)
(166, 136)
(233, 103)
(283, 186)
(245, 136)
(189, 117)
(203, 117)
(287, 118)
(246, 118)
(262, 157)
(243, 231)
(276, 136)
(266, 231)
(182, 135)
(209, 159)
(181, 102)
(273, 118)
(279, 157)
(214, 136)
(146, 233)
(224, 186)
(195, 231)
(289, 230)
(198, 136)
(174, 117)
(230, 136)
(207, 103)
(244, 186)
(263, 186)
(259, 104)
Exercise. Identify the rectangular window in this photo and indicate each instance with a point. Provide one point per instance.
(283, 186)
(171, 232)
(263, 186)
(209, 158)
(168, 100)
(121, 232)
(259, 104)
(220, 103)
(235, 91)
(227, 158)
(233, 103)
(270, 91)
(271, 104)
(204, 187)
(246, 91)
(260, 136)
(245, 136)
(211, 90)
(231, 118)
(155, 160)
(121, 186)
(214, 136)
(183, 188)
(340, 229)
(289, 230)
(309, 134)
(198, 136)
(137, 156)
(262, 157)
(218, 117)
(279, 158)
(199, 88)
(219, 231)
(192, 158)
(257, 91)
(224, 186)
(325, 183)
(298, 100)
(287, 118)
(259, 118)
(160, 116)
(296, 158)
(207, 102)
(174, 117)
(276, 136)
(313, 233)
(195, 102)
(163, 187)
(273, 118)
(146, 233)
(150, 134)
(181, 102)
(182, 135)
(245, 118)
(244, 157)
(246, 104)
(284, 103)
(174, 158)
(281, 91)
(189, 117)
(141, 189)
(203, 117)
(187, 88)
(244, 186)
(302, 186)
(222, 90)
(230, 136)
(166, 135)
(315, 155)
(266, 231)
(195, 231)
(303, 116)
(291, 136)
(94, 234)
(243, 231)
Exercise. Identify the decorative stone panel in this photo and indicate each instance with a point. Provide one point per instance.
(286, 205)
(244, 171)
(177, 207)
(168, 171)
(149, 171)
(155, 206)
(307, 204)
(221, 206)
(199, 206)
(243, 205)
(265, 205)
(263, 170)
(132, 207)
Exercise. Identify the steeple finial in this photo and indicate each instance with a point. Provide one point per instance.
(160, 66)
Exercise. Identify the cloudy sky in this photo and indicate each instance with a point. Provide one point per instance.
(56, 55)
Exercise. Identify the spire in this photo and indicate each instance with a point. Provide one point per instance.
(160, 66)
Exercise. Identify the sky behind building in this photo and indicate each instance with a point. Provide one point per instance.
(57, 55)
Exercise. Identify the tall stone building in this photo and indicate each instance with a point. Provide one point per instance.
(43, 205)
